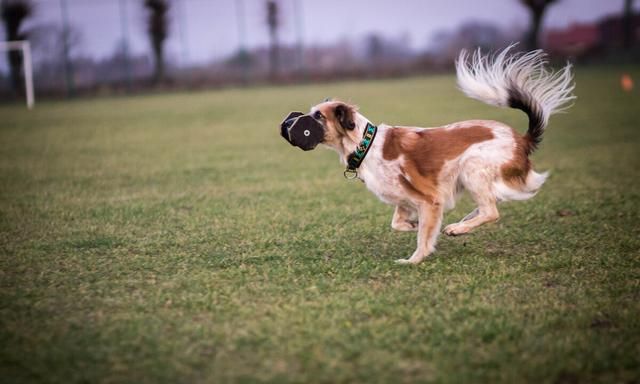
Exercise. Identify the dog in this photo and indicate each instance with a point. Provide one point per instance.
(422, 171)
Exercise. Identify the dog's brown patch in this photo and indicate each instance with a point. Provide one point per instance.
(515, 171)
(425, 194)
(426, 152)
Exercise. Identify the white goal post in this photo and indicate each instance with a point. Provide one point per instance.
(25, 47)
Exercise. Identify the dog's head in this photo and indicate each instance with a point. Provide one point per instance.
(327, 123)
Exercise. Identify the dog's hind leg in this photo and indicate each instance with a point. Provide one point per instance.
(478, 181)
(471, 215)
(401, 220)
(429, 221)
(486, 212)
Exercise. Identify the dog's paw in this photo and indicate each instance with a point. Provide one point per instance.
(405, 226)
(456, 229)
(405, 262)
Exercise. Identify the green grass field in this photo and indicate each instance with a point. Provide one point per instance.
(177, 238)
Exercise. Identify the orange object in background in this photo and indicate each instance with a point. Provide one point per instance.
(626, 82)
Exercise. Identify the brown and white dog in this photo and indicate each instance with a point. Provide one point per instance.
(421, 171)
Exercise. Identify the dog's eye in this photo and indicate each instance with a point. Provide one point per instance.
(317, 115)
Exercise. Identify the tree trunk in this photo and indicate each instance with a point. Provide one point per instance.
(274, 59)
(627, 25)
(273, 22)
(536, 21)
(14, 57)
(158, 29)
(158, 72)
(15, 68)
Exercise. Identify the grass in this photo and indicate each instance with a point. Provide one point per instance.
(178, 238)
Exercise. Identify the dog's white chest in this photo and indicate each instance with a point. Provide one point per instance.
(382, 176)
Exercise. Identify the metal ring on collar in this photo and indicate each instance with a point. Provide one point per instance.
(350, 174)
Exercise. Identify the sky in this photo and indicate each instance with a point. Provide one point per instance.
(206, 30)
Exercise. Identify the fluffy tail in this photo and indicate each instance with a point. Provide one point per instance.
(518, 81)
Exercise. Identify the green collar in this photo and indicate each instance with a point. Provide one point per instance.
(356, 157)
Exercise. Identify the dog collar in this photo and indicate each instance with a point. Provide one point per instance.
(356, 157)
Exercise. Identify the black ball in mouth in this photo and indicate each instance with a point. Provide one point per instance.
(302, 131)
(287, 123)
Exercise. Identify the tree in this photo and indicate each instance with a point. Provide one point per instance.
(14, 12)
(537, 9)
(158, 29)
(273, 22)
(627, 24)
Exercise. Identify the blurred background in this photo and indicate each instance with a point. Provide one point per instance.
(89, 47)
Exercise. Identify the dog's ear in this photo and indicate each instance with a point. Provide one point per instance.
(345, 116)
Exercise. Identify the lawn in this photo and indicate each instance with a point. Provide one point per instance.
(177, 238)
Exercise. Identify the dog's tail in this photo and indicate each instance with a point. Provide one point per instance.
(518, 81)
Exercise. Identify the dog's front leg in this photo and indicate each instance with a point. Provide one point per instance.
(401, 220)
(429, 221)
